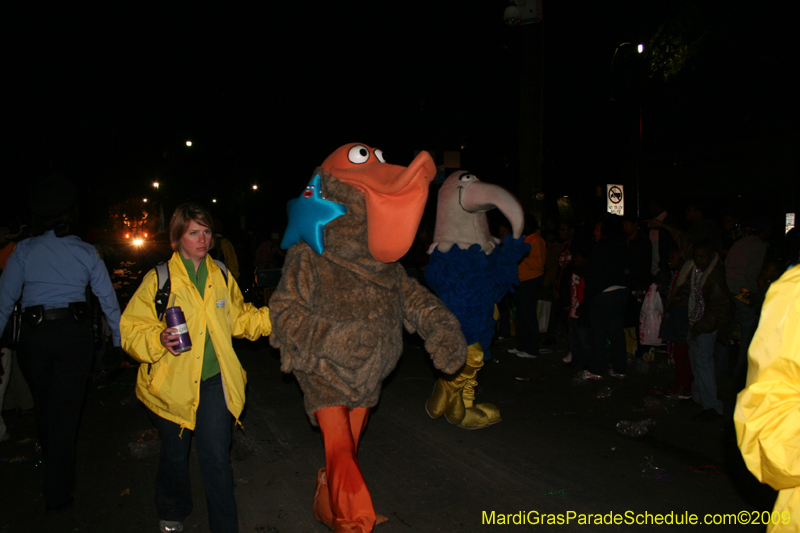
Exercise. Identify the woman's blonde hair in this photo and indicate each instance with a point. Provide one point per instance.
(184, 214)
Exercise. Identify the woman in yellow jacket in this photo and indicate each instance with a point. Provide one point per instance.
(767, 415)
(200, 390)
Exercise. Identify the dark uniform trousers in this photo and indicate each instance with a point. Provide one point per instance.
(56, 358)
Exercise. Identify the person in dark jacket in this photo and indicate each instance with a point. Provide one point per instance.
(702, 289)
(606, 293)
(639, 252)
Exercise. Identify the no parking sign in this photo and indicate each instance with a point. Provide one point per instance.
(615, 199)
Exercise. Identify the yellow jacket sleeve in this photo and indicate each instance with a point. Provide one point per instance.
(767, 414)
(247, 321)
(140, 328)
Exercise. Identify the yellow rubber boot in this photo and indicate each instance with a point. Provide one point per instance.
(446, 400)
(479, 415)
(452, 397)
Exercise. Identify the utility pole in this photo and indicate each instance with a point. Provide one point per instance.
(528, 15)
(531, 120)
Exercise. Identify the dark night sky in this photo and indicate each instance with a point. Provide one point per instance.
(265, 93)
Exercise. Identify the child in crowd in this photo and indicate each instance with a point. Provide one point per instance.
(701, 289)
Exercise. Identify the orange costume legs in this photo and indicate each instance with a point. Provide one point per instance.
(347, 506)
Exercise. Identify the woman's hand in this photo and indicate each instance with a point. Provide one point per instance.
(169, 338)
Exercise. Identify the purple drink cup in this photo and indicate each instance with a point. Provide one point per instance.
(175, 319)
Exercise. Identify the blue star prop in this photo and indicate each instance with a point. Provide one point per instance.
(308, 216)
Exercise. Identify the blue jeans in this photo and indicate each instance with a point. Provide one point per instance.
(701, 357)
(213, 433)
(607, 313)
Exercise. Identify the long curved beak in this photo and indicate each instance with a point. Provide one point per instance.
(480, 196)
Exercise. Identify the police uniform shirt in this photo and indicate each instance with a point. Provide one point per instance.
(55, 272)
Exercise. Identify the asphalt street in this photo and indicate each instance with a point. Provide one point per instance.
(556, 452)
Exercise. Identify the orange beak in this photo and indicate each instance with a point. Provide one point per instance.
(395, 197)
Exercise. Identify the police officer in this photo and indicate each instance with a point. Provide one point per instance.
(55, 347)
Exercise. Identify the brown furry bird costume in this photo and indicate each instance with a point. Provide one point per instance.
(338, 317)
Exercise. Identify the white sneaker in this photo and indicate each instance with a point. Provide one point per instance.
(567, 358)
(525, 355)
(170, 526)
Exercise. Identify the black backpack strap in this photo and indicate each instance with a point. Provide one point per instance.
(164, 286)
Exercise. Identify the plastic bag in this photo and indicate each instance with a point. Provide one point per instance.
(650, 317)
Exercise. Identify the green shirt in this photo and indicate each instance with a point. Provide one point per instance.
(210, 362)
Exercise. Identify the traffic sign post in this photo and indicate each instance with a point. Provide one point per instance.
(615, 199)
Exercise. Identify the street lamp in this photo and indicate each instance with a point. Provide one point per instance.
(189, 143)
(160, 207)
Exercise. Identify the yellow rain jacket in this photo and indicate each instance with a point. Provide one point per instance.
(767, 414)
(167, 384)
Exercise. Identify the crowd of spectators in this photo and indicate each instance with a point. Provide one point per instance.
(711, 274)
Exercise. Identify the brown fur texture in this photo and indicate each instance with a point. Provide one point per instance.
(338, 317)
